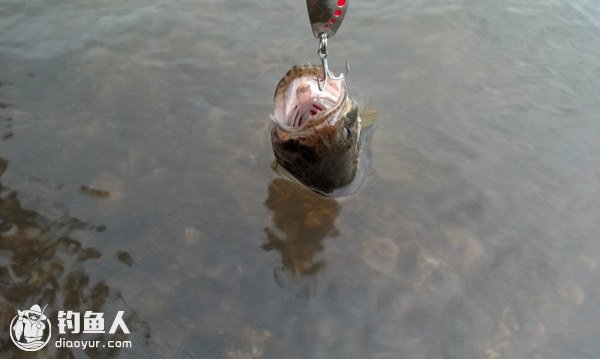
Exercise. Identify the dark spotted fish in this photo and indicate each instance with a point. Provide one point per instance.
(316, 134)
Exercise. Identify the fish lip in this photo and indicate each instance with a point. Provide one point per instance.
(288, 104)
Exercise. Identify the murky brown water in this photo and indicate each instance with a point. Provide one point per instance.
(135, 176)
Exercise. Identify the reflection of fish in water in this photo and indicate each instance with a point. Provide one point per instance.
(302, 220)
(316, 135)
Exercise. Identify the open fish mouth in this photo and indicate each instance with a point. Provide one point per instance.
(304, 111)
(299, 103)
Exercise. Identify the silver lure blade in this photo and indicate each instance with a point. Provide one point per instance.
(326, 16)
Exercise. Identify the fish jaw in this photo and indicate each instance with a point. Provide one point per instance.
(300, 104)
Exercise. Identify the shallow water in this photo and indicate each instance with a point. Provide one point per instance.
(136, 176)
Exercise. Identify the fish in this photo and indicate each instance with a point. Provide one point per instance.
(18, 327)
(316, 134)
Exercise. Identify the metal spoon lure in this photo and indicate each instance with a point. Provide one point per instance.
(326, 17)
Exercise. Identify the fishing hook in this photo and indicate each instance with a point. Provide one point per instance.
(326, 72)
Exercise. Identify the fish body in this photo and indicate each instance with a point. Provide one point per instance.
(316, 134)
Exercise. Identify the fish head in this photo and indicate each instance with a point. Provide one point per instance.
(315, 133)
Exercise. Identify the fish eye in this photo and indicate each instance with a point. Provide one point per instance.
(348, 132)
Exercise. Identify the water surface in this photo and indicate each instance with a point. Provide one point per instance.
(136, 176)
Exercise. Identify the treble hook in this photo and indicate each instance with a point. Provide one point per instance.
(323, 55)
